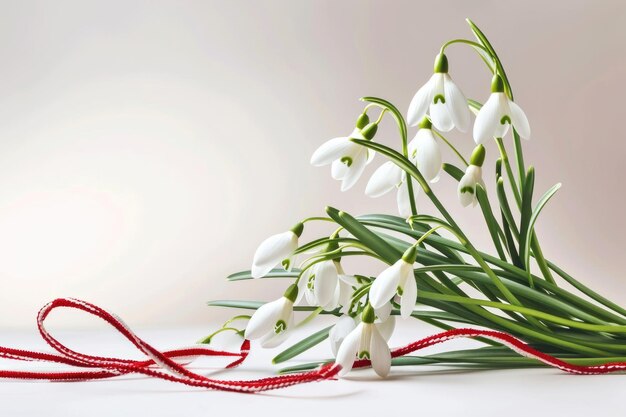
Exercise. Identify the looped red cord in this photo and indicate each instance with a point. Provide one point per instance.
(169, 365)
(161, 365)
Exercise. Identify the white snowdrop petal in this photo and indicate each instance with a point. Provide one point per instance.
(441, 117)
(346, 354)
(387, 327)
(420, 102)
(325, 282)
(457, 105)
(272, 251)
(338, 169)
(487, 120)
(520, 121)
(263, 320)
(428, 156)
(380, 354)
(384, 179)
(384, 312)
(339, 331)
(272, 339)
(330, 150)
(385, 285)
(355, 171)
(409, 295)
(403, 200)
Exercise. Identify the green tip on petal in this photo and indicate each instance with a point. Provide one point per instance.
(425, 123)
(441, 63)
(291, 293)
(478, 156)
(497, 85)
(369, 315)
(298, 229)
(362, 120)
(369, 131)
(410, 255)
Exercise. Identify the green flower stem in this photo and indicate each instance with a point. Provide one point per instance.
(207, 339)
(324, 219)
(451, 146)
(466, 42)
(403, 135)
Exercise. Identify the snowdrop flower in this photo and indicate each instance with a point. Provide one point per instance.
(347, 158)
(442, 99)
(424, 152)
(365, 342)
(274, 250)
(386, 178)
(340, 331)
(497, 114)
(320, 284)
(473, 175)
(272, 321)
(397, 279)
(346, 324)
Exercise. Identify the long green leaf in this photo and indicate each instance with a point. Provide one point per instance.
(492, 224)
(302, 346)
(363, 234)
(526, 213)
(274, 273)
(527, 233)
(453, 171)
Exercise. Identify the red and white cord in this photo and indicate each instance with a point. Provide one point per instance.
(169, 364)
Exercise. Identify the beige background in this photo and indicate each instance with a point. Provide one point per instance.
(146, 148)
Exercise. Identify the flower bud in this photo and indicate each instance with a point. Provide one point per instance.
(478, 156)
(298, 229)
(441, 63)
(497, 85)
(369, 131)
(291, 293)
(369, 315)
(410, 255)
(362, 120)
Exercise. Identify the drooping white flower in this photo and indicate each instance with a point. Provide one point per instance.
(498, 114)
(388, 177)
(274, 250)
(272, 321)
(442, 99)
(397, 279)
(365, 342)
(347, 158)
(473, 175)
(339, 331)
(320, 284)
(346, 324)
(424, 152)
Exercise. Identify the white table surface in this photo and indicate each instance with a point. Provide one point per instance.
(416, 391)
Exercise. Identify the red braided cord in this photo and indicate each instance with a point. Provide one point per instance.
(165, 365)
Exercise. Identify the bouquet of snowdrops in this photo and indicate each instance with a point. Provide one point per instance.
(430, 277)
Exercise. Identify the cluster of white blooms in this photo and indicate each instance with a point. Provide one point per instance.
(366, 322)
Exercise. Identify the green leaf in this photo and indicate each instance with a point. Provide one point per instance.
(528, 231)
(274, 273)
(492, 223)
(526, 212)
(302, 346)
(366, 236)
(453, 171)
(254, 305)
